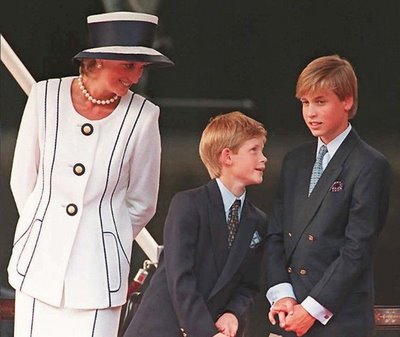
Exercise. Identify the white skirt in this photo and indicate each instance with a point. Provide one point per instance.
(37, 319)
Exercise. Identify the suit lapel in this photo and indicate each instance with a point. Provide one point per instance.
(238, 250)
(218, 227)
(330, 174)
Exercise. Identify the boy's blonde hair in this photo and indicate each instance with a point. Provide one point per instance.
(229, 130)
(330, 72)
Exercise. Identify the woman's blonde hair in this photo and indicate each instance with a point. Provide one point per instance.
(229, 130)
(330, 72)
(86, 66)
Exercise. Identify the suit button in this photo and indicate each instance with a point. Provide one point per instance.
(289, 270)
(87, 129)
(290, 234)
(72, 209)
(79, 169)
(311, 237)
(303, 272)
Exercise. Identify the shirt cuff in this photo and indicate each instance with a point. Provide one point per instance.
(317, 310)
(279, 291)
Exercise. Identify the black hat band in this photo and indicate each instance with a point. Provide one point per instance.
(121, 33)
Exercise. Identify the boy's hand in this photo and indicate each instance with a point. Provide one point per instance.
(228, 324)
(282, 308)
(300, 322)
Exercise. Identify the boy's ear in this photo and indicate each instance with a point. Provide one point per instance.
(348, 103)
(226, 156)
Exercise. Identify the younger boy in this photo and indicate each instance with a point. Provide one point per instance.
(331, 206)
(209, 270)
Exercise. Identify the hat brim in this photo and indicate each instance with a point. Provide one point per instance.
(130, 54)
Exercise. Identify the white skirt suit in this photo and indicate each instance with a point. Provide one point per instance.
(84, 189)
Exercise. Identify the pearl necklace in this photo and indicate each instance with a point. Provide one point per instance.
(92, 99)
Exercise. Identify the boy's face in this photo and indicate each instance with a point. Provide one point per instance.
(325, 114)
(248, 164)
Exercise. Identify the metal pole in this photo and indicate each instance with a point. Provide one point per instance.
(15, 66)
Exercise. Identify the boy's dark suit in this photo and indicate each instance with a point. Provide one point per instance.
(198, 279)
(323, 244)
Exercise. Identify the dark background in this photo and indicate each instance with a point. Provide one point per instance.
(229, 55)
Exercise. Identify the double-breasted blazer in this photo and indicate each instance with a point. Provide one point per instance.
(198, 279)
(84, 189)
(323, 244)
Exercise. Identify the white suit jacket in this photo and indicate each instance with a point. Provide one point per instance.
(84, 189)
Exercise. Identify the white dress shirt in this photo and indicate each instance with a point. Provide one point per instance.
(228, 198)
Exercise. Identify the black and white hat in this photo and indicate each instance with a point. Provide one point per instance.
(125, 36)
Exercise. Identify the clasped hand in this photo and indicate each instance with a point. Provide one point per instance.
(292, 316)
(227, 325)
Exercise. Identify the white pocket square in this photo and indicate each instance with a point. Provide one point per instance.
(256, 239)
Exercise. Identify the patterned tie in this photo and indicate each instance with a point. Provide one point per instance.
(317, 169)
(233, 221)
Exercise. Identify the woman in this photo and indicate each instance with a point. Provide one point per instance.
(85, 180)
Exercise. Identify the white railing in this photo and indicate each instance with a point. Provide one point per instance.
(25, 80)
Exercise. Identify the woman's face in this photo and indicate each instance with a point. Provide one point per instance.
(117, 77)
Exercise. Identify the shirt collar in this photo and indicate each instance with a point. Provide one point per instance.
(228, 197)
(334, 144)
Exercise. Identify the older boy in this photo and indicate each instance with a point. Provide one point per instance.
(209, 269)
(324, 228)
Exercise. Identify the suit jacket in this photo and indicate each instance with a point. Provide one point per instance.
(323, 244)
(84, 189)
(198, 279)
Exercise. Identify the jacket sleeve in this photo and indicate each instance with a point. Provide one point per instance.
(275, 250)
(26, 154)
(244, 295)
(180, 239)
(144, 174)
